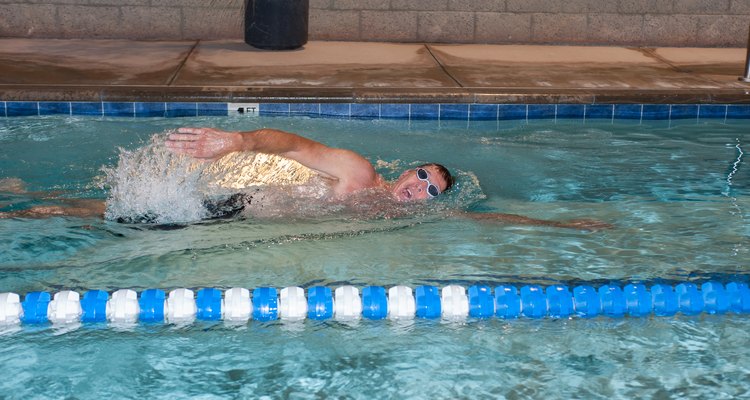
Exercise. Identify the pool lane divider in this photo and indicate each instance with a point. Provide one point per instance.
(347, 303)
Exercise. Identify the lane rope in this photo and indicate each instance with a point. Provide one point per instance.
(452, 302)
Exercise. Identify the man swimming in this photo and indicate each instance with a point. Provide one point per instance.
(346, 174)
(345, 171)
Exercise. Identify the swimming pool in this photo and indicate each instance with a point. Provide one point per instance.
(676, 191)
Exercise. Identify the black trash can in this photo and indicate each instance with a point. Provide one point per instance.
(276, 24)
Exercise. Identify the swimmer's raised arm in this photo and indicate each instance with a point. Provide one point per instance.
(349, 170)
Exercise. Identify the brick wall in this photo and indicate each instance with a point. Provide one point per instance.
(621, 22)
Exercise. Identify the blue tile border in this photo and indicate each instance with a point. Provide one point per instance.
(684, 111)
(712, 111)
(54, 107)
(599, 111)
(89, 108)
(454, 111)
(738, 111)
(366, 110)
(274, 108)
(571, 111)
(628, 111)
(415, 111)
(150, 109)
(483, 112)
(182, 110)
(395, 111)
(119, 109)
(512, 111)
(335, 110)
(655, 111)
(425, 111)
(541, 111)
(212, 109)
(305, 109)
(22, 108)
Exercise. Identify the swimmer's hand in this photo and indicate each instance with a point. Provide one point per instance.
(513, 219)
(204, 143)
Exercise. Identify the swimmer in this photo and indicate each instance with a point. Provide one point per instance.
(345, 173)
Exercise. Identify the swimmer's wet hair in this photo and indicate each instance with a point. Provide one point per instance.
(449, 180)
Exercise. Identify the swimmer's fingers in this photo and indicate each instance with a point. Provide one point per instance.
(183, 137)
(190, 131)
(192, 149)
(197, 132)
(190, 134)
(184, 148)
(178, 145)
(203, 143)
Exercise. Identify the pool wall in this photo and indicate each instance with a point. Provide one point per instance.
(411, 111)
(620, 22)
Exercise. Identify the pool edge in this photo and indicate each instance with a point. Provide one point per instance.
(484, 95)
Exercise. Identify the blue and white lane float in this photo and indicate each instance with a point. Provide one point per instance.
(452, 302)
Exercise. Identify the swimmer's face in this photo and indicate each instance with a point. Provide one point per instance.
(414, 184)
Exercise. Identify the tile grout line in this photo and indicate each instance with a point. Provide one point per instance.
(651, 53)
(698, 115)
(497, 115)
(182, 63)
(555, 113)
(442, 67)
(640, 122)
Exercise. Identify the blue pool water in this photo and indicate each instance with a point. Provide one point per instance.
(677, 193)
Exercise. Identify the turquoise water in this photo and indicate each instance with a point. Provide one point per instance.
(676, 193)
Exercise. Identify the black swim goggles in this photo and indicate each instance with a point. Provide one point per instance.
(432, 190)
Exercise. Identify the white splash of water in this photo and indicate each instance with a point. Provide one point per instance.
(151, 184)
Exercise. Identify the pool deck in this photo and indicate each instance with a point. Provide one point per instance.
(361, 72)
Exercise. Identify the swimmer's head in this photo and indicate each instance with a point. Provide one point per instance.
(423, 182)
